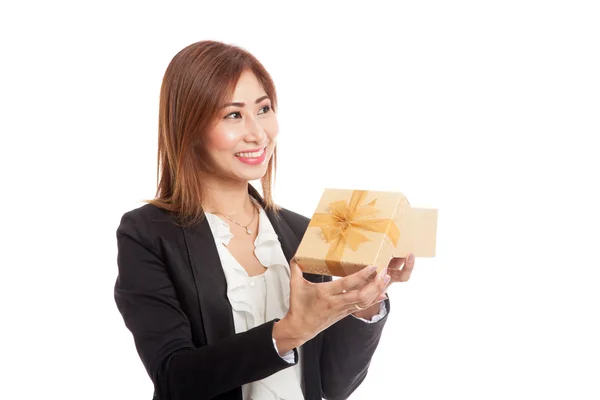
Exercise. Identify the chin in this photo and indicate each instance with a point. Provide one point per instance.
(254, 175)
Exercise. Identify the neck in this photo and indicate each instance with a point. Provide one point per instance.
(231, 199)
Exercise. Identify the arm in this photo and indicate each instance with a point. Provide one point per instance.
(348, 347)
(148, 302)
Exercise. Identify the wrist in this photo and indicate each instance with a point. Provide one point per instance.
(286, 336)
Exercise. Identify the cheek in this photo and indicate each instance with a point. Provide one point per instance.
(271, 128)
(223, 139)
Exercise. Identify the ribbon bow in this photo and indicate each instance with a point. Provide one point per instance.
(342, 226)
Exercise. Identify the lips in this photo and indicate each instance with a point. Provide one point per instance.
(253, 157)
(255, 153)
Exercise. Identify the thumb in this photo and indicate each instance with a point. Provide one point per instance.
(296, 271)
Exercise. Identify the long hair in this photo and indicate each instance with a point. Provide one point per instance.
(198, 80)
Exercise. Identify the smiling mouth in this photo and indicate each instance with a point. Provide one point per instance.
(251, 154)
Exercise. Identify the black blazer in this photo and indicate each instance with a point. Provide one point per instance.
(171, 293)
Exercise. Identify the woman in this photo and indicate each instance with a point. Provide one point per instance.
(207, 284)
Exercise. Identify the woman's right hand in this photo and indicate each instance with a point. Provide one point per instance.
(316, 306)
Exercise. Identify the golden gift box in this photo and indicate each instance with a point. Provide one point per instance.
(352, 229)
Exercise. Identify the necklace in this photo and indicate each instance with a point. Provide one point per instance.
(248, 230)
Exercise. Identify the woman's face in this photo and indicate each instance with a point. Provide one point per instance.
(242, 142)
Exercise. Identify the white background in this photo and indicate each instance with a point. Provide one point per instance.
(487, 111)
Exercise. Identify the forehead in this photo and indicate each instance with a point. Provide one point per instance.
(248, 86)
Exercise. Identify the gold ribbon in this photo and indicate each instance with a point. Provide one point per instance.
(342, 227)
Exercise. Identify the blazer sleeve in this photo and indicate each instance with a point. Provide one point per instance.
(147, 300)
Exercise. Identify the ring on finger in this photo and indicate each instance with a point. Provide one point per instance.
(359, 308)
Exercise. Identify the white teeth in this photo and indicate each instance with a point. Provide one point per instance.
(255, 154)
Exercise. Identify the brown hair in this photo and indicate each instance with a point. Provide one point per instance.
(197, 82)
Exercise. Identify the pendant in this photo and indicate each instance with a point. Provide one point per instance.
(248, 231)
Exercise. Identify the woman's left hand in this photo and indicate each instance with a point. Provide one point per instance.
(399, 269)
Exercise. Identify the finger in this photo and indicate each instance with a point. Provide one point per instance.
(367, 294)
(352, 309)
(363, 283)
(349, 282)
(404, 274)
(296, 272)
(383, 280)
(396, 263)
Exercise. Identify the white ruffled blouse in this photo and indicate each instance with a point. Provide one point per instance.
(258, 299)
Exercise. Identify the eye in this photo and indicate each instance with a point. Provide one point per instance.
(266, 109)
(228, 116)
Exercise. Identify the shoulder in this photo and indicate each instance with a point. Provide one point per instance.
(294, 218)
(145, 222)
(148, 213)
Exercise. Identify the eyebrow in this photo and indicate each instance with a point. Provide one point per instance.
(238, 104)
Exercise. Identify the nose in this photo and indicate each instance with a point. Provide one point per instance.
(255, 132)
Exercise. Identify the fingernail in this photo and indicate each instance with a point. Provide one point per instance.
(387, 279)
(382, 297)
(373, 269)
(411, 257)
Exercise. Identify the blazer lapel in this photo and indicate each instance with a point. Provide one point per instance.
(211, 285)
